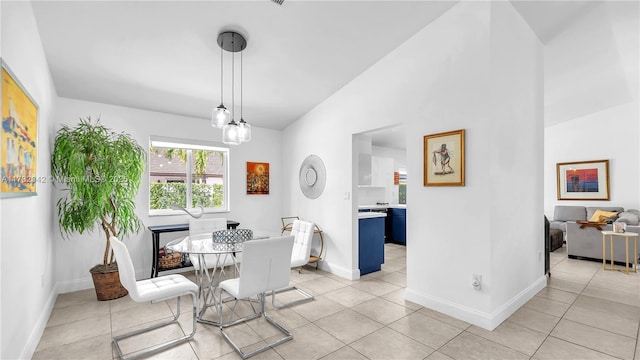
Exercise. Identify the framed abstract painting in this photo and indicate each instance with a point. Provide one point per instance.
(19, 139)
(257, 178)
(583, 180)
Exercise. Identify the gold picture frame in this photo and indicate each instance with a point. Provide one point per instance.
(583, 180)
(19, 139)
(444, 159)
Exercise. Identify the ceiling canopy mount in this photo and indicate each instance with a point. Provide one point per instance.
(232, 41)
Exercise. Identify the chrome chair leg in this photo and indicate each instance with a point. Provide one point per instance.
(157, 348)
(232, 322)
(287, 334)
(305, 297)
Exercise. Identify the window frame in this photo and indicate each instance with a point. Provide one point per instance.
(191, 144)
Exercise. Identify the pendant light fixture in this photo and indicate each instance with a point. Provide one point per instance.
(233, 133)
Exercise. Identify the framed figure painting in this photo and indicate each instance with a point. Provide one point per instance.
(583, 180)
(19, 135)
(444, 159)
(257, 178)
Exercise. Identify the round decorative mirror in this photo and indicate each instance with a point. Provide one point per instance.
(312, 177)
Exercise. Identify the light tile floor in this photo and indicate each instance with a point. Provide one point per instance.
(583, 313)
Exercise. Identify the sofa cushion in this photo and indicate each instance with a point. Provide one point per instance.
(569, 213)
(558, 225)
(628, 218)
(592, 209)
(601, 215)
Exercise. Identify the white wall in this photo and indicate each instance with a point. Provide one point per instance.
(80, 252)
(27, 256)
(448, 76)
(515, 159)
(497, 75)
(609, 134)
(594, 129)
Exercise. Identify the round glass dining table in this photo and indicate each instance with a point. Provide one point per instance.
(212, 256)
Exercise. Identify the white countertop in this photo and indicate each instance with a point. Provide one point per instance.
(394, 206)
(367, 215)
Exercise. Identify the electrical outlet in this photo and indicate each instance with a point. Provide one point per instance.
(477, 281)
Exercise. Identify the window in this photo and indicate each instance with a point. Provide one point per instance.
(402, 189)
(187, 174)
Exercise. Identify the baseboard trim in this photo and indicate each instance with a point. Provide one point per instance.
(488, 321)
(37, 331)
(87, 282)
(340, 271)
(517, 302)
(74, 285)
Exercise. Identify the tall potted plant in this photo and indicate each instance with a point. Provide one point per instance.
(101, 171)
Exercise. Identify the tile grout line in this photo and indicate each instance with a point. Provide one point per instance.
(636, 354)
(594, 280)
(563, 314)
(593, 327)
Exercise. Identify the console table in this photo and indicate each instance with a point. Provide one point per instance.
(155, 240)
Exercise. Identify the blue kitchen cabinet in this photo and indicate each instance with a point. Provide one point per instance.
(399, 226)
(370, 244)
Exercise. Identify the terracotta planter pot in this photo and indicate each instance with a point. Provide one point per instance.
(106, 281)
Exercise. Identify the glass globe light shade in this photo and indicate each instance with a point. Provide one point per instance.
(244, 131)
(220, 116)
(230, 134)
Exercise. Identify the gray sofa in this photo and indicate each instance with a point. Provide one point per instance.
(585, 241)
(562, 214)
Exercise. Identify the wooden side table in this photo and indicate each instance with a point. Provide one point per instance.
(585, 224)
(626, 236)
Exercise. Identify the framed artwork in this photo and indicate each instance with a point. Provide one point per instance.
(257, 178)
(19, 138)
(583, 180)
(444, 159)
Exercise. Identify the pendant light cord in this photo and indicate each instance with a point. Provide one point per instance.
(221, 73)
(233, 79)
(241, 86)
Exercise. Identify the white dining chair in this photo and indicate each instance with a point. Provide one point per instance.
(265, 267)
(303, 232)
(154, 289)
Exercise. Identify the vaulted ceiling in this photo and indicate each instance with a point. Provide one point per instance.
(163, 56)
